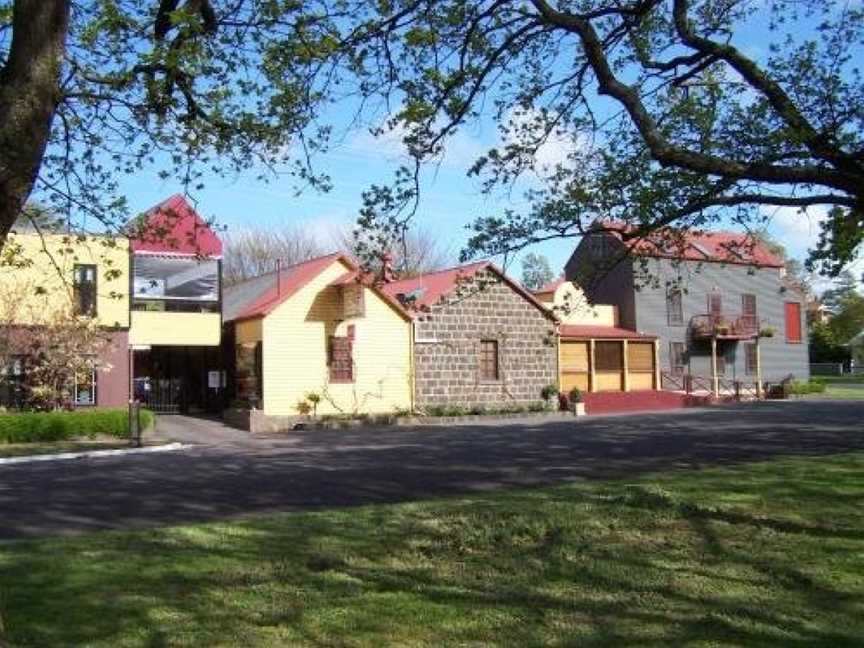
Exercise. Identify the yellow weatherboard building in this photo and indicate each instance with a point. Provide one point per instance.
(316, 328)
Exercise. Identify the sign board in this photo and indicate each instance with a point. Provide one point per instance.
(352, 301)
(214, 379)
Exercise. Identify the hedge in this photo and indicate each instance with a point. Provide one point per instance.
(32, 427)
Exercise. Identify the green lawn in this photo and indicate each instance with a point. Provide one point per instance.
(845, 379)
(844, 391)
(763, 554)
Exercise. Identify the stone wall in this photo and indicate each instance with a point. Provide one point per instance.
(447, 343)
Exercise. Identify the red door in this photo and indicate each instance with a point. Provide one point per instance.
(793, 322)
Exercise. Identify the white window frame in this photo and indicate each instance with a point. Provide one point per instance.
(93, 392)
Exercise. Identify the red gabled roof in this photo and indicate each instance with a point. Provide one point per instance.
(292, 278)
(717, 247)
(287, 282)
(174, 227)
(594, 331)
(427, 289)
(552, 286)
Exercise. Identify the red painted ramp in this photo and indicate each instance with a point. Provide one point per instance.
(638, 401)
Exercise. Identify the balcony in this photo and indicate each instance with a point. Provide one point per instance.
(724, 327)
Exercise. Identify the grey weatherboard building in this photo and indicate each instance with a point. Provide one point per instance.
(673, 298)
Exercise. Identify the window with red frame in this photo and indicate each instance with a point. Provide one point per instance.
(341, 359)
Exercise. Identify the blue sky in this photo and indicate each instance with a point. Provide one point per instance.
(451, 200)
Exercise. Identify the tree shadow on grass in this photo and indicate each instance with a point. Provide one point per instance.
(611, 563)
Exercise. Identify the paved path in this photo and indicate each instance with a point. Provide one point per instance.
(236, 475)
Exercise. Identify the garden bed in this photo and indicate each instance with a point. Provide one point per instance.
(483, 418)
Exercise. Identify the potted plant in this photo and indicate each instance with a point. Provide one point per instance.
(767, 332)
(577, 404)
(303, 408)
(548, 393)
(314, 399)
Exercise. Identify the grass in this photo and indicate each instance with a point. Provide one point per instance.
(844, 379)
(57, 447)
(847, 391)
(759, 554)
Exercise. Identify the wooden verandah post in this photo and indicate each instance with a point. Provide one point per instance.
(715, 379)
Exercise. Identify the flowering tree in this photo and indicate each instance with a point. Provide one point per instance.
(46, 350)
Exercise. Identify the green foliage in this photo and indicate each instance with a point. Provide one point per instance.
(824, 346)
(575, 395)
(536, 271)
(692, 128)
(802, 388)
(549, 392)
(33, 427)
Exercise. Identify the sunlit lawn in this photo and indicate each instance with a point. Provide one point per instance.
(842, 391)
(762, 554)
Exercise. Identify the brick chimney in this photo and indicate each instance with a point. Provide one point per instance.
(388, 274)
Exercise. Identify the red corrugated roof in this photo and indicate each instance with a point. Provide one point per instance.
(290, 279)
(174, 227)
(293, 278)
(718, 247)
(600, 332)
(427, 289)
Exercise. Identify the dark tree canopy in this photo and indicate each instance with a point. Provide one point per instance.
(93, 91)
(674, 111)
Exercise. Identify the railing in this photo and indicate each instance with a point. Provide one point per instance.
(721, 326)
(673, 381)
(690, 383)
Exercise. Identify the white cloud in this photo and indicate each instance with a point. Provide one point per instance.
(461, 149)
(797, 230)
(560, 146)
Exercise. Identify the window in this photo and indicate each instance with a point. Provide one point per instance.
(793, 322)
(489, 360)
(677, 361)
(85, 386)
(12, 382)
(341, 359)
(609, 356)
(715, 304)
(640, 357)
(748, 310)
(84, 289)
(162, 281)
(674, 308)
(750, 359)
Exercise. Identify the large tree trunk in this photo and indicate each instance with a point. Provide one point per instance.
(29, 95)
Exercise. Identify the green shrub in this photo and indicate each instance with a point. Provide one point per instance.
(549, 392)
(539, 407)
(34, 427)
(816, 386)
(477, 410)
(455, 410)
